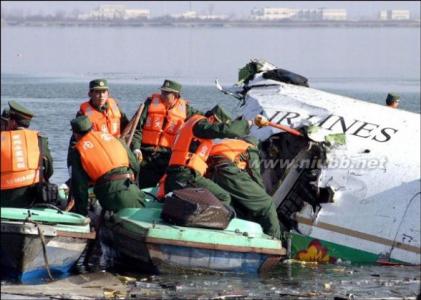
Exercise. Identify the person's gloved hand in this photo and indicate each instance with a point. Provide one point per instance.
(138, 154)
(261, 121)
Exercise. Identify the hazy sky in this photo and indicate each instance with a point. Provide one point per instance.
(239, 8)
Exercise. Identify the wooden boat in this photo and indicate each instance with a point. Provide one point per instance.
(41, 242)
(141, 239)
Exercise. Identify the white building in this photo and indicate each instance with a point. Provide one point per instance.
(330, 14)
(114, 12)
(213, 17)
(383, 15)
(396, 14)
(309, 14)
(303, 14)
(272, 13)
(191, 14)
(399, 14)
(105, 12)
(136, 14)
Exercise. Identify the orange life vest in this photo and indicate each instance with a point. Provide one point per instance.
(107, 121)
(231, 149)
(100, 152)
(154, 132)
(181, 155)
(20, 158)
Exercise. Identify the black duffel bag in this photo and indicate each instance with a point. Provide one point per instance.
(196, 207)
(286, 76)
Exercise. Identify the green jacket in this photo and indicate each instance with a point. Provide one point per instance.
(24, 196)
(233, 129)
(137, 137)
(123, 123)
(80, 179)
(47, 160)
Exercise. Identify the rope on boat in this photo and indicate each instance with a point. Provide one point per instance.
(44, 251)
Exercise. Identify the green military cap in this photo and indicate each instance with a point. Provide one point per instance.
(19, 111)
(81, 124)
(392, 98)
(219, 113)
(171, 86)
(98, 85)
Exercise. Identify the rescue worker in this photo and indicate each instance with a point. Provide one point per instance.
(25, 159)
(191, 149)
(102, 110)
(106, 162)
(392, 100)
(163, 115)
(234, 164)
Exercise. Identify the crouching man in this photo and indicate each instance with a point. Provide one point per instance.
(234, 165)
(103, 160)
(191, 149)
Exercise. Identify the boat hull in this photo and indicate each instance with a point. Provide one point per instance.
(142, 248)
(170, 258)
(22, 255)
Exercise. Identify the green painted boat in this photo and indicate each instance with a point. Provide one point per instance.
(39, 241)
(140, 238)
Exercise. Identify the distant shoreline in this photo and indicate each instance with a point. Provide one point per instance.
(211, 24)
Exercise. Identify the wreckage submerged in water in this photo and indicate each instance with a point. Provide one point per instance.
(349, 189)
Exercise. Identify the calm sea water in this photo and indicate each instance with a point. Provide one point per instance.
(48, 70)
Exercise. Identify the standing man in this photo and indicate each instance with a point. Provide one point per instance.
(163, 115)
(392, 100)
(234, 165)
(25, 158)
(105, 161)
(102, 111)
(191, 149)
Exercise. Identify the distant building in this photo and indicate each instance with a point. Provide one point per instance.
(329, 14)
(193, 15)
(213, 17)
(396, 14)
(299, 14)
(309, 14)
(114, 12)
(105, 12)
(383, 15)
(136, 14)
(273, 13)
